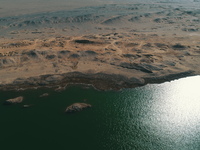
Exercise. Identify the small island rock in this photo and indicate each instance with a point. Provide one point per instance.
(77, 107)
(16, 100)
(44, 95)
(26, 106)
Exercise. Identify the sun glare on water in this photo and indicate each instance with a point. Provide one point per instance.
(176, 111)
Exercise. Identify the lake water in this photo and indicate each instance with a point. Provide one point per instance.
(159, 116)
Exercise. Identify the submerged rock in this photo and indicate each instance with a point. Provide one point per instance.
(44, 95)
(60, 89)
(16, 100)
(26, 106)
(77, 107)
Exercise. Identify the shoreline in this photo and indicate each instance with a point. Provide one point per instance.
(103, 82)
(109, 62)
(103, 61)
(100, 45)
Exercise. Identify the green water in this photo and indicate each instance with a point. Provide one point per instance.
(154, 117)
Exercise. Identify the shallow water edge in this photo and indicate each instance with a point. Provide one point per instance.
(99, 81)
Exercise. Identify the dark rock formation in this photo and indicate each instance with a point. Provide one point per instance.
(136, 67)
(74, 56)
(168, 77)
(90, 52)
(6, 62)
(84, 41)
(32, 53)
(50, 57)
(129, 55)
(77, 107)
(64, 52)
(178, 47)
(100, 81)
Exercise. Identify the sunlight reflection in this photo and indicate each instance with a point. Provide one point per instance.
(176, 111)
(184, 100)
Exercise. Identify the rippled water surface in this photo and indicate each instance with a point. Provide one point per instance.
(160, 116)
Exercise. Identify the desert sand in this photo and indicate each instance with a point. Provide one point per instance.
(110, 46)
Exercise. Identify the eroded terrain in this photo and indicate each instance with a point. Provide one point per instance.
(127, 45)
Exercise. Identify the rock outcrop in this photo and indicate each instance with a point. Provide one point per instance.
(77, 107)
(16, 100)
(44, 95)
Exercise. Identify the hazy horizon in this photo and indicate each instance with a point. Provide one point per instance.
(20, 7)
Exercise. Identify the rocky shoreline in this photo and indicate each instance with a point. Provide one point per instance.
(100, 46)
(99, 81)
(103, 61)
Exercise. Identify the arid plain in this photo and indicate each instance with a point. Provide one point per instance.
(109, 46)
